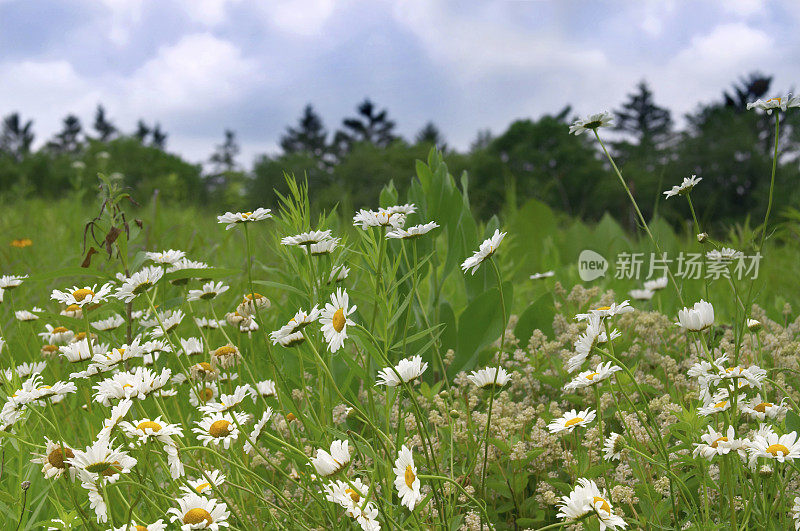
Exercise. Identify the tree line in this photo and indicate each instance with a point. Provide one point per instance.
(719, 140)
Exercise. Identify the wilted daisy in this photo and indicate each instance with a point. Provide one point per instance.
(306, 238)
(592, 123)
(591, 377)
(718, 443)
(613, 446)
(198, 512)
(205, 484)
(265, 388)
(773, 446)
(490, 376)
(209, 291)
(73, 310)
(334, 319)
(412, 232)
(220, 429)
(587, 498)
(55, 459)
(191, 346)
(684, 188)
(251, 302)
(138, 283)
(25, 315)
(169, 257)
(231, 219)
(204, 371)
(486, 250)
(328, 464)
(110, 323)
(698, 317)
(10, 282)
(405, 479)
(405, 371)
(225, 356)
(546, 274)
(780, 103)
(571, 420)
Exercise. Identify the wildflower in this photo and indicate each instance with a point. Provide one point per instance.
(191, 346)
(102, 458)
(592, 123)
(265, 388)
(158, 525)
(685, 187)
(81, 350)
(10, 282)
(204, 371)
(73, 310)
(780, 103)
(761, 410)
(406, 481)
(641, 294)
(327, 464)
(571, 420)
(772, 446)
(697, 318)
(725, 254)
(138, 383)
(229, 401)
(55, 460)
(334, 319)
(546, 274)
(170, 257)
(211, 324)
(205, 483)
(248, 307)
(412, 232)
(307, 238)
(198, 512)
(118, 413)
(338, 274)
(486, 250)
(232, 219)
(25, 315)
(21, 243)
(591, 377)
(753, 325)
(382, 218)
(205, 393)
(656, 284)
(490, 376)
(300, 320)
(408, 370)
(613, 446)
(138, 283)
(324, 247)
(110, 323)
(718, 443)
(209, 291)
(607, 311)
(58, 334)
(248, 447)
(225, 356)
(220, 428)
(586, 498)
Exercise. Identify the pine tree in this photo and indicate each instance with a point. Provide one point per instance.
(105, 129)
(142, 131)
(68, 139)
(17, 136)
(224, 158)
(370, 126)
(430, 134)
(309, 136)
(649, 124)
(748, 89)
(159, 137)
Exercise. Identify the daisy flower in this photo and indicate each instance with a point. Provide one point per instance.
(407, 370)
(191, 346)
(753, 325)
(229, 401)
(225, 356)
(613, 446)
(546, 274)
(327, 464)
(138, 383)
(73, 310)
(718, 403)
(256, 433)
(205, 484)
(247, 308)
(204, 371)
(726, 254)
(211, 324)
(81, 350)
(220, 429)
(334, 319)
(592, 123)
(772, 446)
(412, 232)
(170, 320)
(182, 265)
(761, 410)
(697, 318)
(198, 512)
(307, 238)
(110, 323)
(204, 393)
(265, 388)
(82, 296)
(138, 283)
(780, 103)
(656, 284)
(10, 282)
(718, 443)
(158, 525)
(55, 459)
(571, 420)
(486, 250)
(585, 499)
(338, 274)
(684, 188)
(591, 377)
(170, 257)
(300, 320)
(25, 315)
(641, 294)
(405, 480)
(607, 311)
(382, 218)
(118, 413)
(102, 458)
(287, 340)
(231, 219)
(57, 335)
(209, 291)
(489, 377)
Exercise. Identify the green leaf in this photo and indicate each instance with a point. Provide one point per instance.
(539, 315)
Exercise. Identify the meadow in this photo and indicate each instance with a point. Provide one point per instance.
(173, 367)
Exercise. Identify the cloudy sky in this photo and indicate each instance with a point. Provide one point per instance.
(199, 66)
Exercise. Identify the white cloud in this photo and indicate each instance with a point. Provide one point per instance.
(742, 8)
(300, 17)
(209, 13)
(124, 15)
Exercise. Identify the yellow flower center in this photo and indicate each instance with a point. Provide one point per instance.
(56, 457)
(49, 348)
(155, 426)
(716, 443)
(206, 394)
(126, 385)
(200, 488)
(96, 468)
(79, 336)
(82, 294)
(572, 422)
(604, 506)
(197, 515)
(227, 350)
(73, 308)
(410, 477)
(354, 495)
(603, 308)
(776, 100)
(590, 377)
(290, 417)
(140, 528)
(338, 320)
(251, 296)
(775, 448)
(60, 329)
(762, 407)
(219, 428)
(721, 404)
(204, 365)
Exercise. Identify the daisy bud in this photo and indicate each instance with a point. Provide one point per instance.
(702, 237)
(765, 471)
(754, 325)
(454, 413)
(25, 485)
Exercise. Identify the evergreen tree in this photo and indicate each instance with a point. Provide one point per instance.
(748, 89)
(159, 137)
(17, 136)
(370, 126)
(142, 131)
(105, 129)
(224, 158)
(309, 136)
(68, 139)
(649, 124)
(430, 134)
